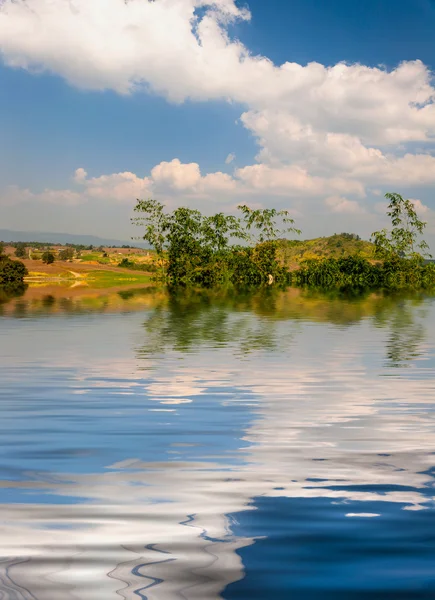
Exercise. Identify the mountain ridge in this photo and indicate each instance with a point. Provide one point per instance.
(10, 235)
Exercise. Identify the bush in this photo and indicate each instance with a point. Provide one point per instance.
(148, 267)
(66, 254)
(48, 258)
(353, 270)
(11, 270)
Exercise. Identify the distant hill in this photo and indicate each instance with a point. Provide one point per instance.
(335, 246)
(7, 235)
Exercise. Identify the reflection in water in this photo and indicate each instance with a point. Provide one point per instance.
(144, 455)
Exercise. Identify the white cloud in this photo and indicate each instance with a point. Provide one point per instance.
(326, 132)
(14, 195)
(293, 180)
(410, 169)
(80, 175)
(230, 158)
(338, 204)
(420, 207)
(121, 187)
(176, 175)
(165, 45)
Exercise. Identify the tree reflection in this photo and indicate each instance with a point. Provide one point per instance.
(11, 290)
(190, 317)
(246, 319)
(250, 320)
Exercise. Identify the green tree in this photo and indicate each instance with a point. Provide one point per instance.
(20, 250)
(206, 249)
(11, 270)
(66, 254)
(48, 257)
(2, 249)
(268, 223)
(403, 239)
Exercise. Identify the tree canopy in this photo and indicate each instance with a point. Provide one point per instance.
(404, 238)
(199, 248)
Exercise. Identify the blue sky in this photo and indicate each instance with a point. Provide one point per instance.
(326, 144)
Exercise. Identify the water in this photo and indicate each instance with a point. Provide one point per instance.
(205, 446)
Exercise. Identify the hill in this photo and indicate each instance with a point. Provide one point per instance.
(293, 252)
(8, 235)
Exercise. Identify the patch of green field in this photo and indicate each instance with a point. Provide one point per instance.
(91, 257)
(102, 279)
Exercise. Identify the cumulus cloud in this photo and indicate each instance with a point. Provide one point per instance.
(420, 207)
(176, 175)
(326, 131)
(338, 204)
(121, 187)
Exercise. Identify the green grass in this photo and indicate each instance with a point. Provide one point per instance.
(91, 257)
(101, 279)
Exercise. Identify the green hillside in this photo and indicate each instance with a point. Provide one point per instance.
(293, 252)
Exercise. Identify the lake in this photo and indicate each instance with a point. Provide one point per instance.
(207, 444)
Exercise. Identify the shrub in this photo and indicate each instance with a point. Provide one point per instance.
(11, 270)
(66, 254)
(393, 273)
(148, 267)
(48, 258)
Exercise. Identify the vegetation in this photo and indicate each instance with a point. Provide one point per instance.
(294, 252)
(187, 318)
(148, 267)
(11, 271)
(401, 252)
(194, 248)
(20, 250)
(66, 254)
(393, 272)
(402, 241)
(48, 257)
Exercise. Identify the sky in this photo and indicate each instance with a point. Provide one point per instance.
(317, 107)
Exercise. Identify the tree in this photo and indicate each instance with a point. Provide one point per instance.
(48, 257)
(2, 249)
(403, 240)
(66, 254)
(11, 270)
(20, 250)
(202, 249)
(269, 223)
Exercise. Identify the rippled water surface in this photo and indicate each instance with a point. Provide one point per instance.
(203, 445)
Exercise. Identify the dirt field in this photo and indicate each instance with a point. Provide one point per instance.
(60, 268)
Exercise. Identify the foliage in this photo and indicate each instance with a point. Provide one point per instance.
(11, 270)
(402, 241)
(20, 250)
(11, 289)
(266, 222)
(393, 273)
(148, 267)
(194, 248)
(66, 254)
(48, 257)
(2, 249)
